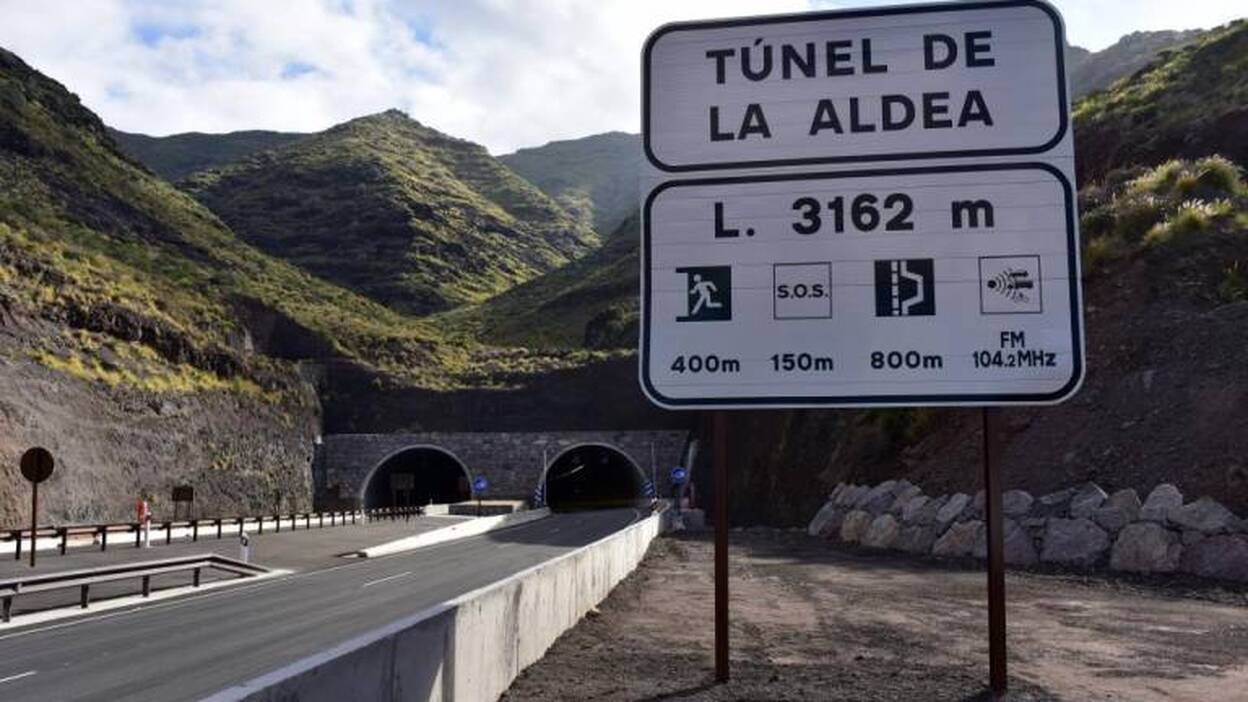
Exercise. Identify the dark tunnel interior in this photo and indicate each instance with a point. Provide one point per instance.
(417, 476)
(593, 477)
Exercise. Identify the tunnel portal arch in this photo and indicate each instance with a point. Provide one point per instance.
(416, 475)
(592, 475)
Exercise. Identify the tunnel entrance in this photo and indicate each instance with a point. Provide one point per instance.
(593, 476)
(417, 476)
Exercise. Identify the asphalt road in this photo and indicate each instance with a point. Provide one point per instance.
(187, 648)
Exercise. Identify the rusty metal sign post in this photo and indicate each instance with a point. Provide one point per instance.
(994, 522)
(37, 465)
(719, 455)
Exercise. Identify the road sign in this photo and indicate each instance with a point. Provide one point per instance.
(945, 273)
(958, 80)
(480, 484)
(37, 464)
(679, 475)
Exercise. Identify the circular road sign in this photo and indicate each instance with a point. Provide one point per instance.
(37, 464)
(679, 475)
(479, 484)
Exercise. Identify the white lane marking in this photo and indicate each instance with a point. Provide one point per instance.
(19, 676)
(382, 580)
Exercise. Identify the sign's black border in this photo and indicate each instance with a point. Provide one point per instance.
(1058, 39)
(1072, 260)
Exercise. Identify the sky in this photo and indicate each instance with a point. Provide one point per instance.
(504, 73)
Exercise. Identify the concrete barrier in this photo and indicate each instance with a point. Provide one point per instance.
(471, 648)
(473, 527)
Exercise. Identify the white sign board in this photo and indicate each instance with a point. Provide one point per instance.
(929, 81)
(928, 278)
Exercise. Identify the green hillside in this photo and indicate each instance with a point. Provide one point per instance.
(177, 156)
(1090, 71)
(1191, 102)
(590, 303)
(134, 282)
(430, 222)
(595, 177)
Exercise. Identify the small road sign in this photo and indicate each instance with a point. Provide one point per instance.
(679, 475)
(480, 484)
(944, 273)
(37, 464)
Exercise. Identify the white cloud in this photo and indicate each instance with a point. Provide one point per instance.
(506, 73)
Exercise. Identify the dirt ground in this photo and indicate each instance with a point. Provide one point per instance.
(810, 622)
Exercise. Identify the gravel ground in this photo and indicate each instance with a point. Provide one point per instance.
(813, 623)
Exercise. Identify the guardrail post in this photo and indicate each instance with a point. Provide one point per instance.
(320, 518)
(278, 518)
(260, 519)
(240, 526)
(147, 586)
(84, 595)
(307, 520)
(8, 609)
(294, 526)
(64, 534)
(195, 581)
(104, 537)
(138, 535)
(168, 533)
(218, 528)
(17, 538)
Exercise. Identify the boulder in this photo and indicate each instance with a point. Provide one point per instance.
(1191, 537)
(1085, 501)
(974, 509)
(904, 497)
(910, 513)
(1146, 547)
(1073, 542)
(1224, 557)
(1159, 503)
(878, 499)
(958, 540)
(882, 532)
(916, 539)
(1016, 503)
(855, 525)
(850, 495)
(1019, 548)
(836, 491)
(1119, 510)
(1053, 504)
(826, 521)
(927, 513)
(1205, 515)
(952, 509)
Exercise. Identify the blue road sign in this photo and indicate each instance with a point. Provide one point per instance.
(679, 475)
(648, 489)
(480, 484)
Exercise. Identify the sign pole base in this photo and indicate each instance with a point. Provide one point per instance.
(719, 456)
(34, 522)
(994, 521)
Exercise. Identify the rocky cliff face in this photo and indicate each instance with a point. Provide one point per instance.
(242, 453)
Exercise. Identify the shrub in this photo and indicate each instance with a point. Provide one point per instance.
(1193, 216)
(1219, 174)
(1234, 284)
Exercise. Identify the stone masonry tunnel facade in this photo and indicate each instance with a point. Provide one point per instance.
(514, 463)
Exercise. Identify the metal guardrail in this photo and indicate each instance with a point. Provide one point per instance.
(101, 531)
(85, 578)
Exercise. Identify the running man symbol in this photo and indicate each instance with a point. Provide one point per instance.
(709, 297)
